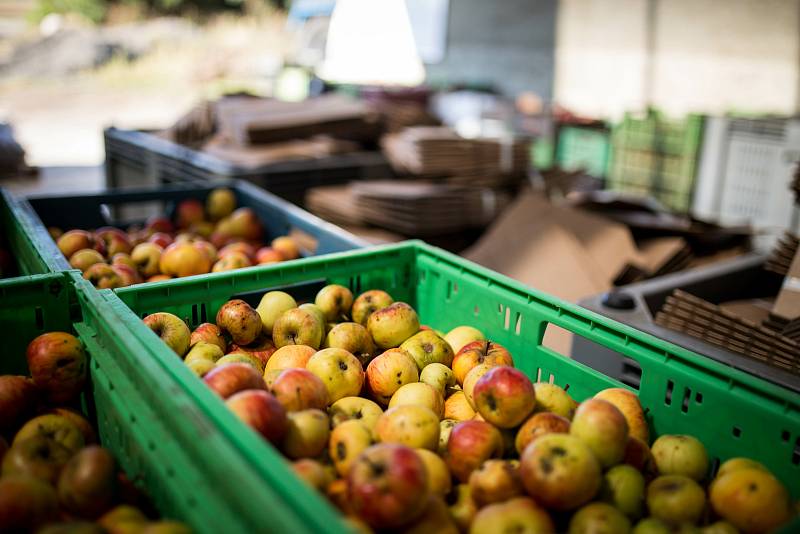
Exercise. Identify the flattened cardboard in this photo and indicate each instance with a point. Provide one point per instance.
(787, 305)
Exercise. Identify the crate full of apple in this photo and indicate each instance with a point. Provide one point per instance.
(54, 476)
(407, 428)
(203, 237)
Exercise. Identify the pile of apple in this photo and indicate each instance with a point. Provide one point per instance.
(217, 237)
(53, 475)
(407, 428)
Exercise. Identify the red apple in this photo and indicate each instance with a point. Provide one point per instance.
(73, 241)
(18, 398)
(57, 364)
(210, 333)
(471, 443)
(26, 503)
(387, 485)
(262, 412)
(300, 389)
(189, 212)
(87, 483)
(184, 259)
(158, 224)
(477, 353)
(114, 240)
(103, 276)
(127, 274)
(504, 396)
(231, 378)
(245, 248)
(161, 239)
(268, 255)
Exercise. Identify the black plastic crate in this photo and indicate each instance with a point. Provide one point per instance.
(135, 159)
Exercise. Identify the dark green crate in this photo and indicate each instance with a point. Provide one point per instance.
(732, 412)
(156, 431)
(27, 241)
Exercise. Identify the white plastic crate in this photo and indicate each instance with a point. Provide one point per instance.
(745, 172)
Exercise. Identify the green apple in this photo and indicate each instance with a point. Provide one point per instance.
(369, 302)
(348, 439)
(298, 327)
(676, 499)
(599, 518)
(358, 408)
(335, 302)
(203, 350)
(340, 371)
(39, 456)
(52, 426)
(307, 434)
(463, 335)
(623, 487)
(677, 454)
(272, 305)
(426, 347)
(171, 329)
(410, 425)
(353, 338)
(392, 325)
(439, 376)
(420, 394)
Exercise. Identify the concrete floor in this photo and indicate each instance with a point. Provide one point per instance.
(56, 180)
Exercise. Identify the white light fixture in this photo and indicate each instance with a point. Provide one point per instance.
(370, 42)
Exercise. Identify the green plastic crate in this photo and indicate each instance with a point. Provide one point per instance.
(156, 431)
(25, 238)
(584, 148)
(732, 412)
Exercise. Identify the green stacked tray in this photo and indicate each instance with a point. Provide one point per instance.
(658, 156)
(24, 239)
(157, 432)
(733, 413)
(585, 149)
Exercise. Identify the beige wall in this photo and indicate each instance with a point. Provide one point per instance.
(710, 55)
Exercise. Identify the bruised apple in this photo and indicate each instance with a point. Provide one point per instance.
(675, 499)
(553, 398)
(209, 333)
(495, 481)
(348, 439)
(300, 389)
(457, 407)
(601, 426)
(298, 327)
(388, 372)
(335, 302)
(504, 396)
(520, 514)
(339, 370)
(240, 321)
(307, 433)
(262, 412)
(751, 499)
(369, 302)
(426, 347)
(411, 425)
(392, 325)
(353, 338)
(471, 443)
(538, 425)
(57, 363)
(477, 353)
(358, 408)
(420, 394)
(229, 379)
(678, 454)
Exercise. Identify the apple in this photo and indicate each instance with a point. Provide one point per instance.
(462, 507)
(520, 514)
(439, 479)
(188, 212)
(171, 329)
(538, 425)
(560, 471)
(240, 321)
(419, 394)
(439, 376)
(445, 428)
(287, 247)
(300, 389)
(57, 363)
(297, 327)
(220, 203)
(358, 408)
(335, 302)
(241, 357)
(471, 443)
(161, 239)
(553, 398)
(601, 426)
(267, 255)
(87, 483)
(340, 371)
(114, 240)
(348, 439)
(124, 259)
(261, 411)
(206, 248)
(426, 347)
(368, 303)
(675, 499)
(624, 486)
(201, 367)
(229, 379)
(38, 456)
(147, 257)
(103, 276)
(337, 494)
(80, 422)
(457, 407)
(242, 223)
(231, 261)
(289, 356)
(599, 517)
(495, 481)
(652, 525)
(353, 338)
(411, 425)
(26, 503)
(123, 519)
(128, 275)
(751, 499)
(460, 336)
(18, 396)
(392, 325)
(388, 372)
(238, 248)
(312, 473)
(468, 387)
(55, 232)
(735, 464)
(158, 223)
(183, 259)
(158, 278)
(628, 403)
(307, 434)
(73, 241)
(209, 333)
(477, 353)
(272, 305)
(262, 348)
(504, 396)
(85, 258)
(679, 454)
(639, 456)
(52, 426)
(435, 518)
(387, 485)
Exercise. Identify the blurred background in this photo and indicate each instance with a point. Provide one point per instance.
(578, 146)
